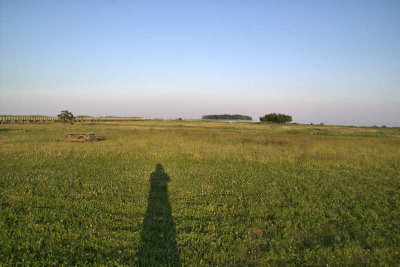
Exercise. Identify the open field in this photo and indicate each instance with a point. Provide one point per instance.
(200, 193)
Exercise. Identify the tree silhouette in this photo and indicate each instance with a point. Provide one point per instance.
(66, 116)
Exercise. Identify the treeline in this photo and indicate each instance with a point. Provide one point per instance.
(278, 118)
(227, 117)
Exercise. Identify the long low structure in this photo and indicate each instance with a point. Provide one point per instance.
(30, 119)
(44, 119)
(94, 119)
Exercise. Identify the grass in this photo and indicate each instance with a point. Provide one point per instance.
(200, 193)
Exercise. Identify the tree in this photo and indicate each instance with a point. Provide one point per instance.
(66, 116)
(277, 118)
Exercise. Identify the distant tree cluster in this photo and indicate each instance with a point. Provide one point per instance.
(227, 117)
(278, 118)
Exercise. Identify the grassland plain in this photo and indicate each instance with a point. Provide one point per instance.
(200, 193)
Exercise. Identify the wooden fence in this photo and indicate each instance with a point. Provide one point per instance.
(24, 119)
(44, 119)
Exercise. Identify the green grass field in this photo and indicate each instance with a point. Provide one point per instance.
(200, 193)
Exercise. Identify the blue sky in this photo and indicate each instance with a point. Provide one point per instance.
(319, 61)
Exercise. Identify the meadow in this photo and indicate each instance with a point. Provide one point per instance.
(199, 193)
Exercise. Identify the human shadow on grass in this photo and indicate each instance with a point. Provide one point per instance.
(158, 238)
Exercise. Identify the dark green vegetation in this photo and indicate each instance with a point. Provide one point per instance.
(277, 118)
(237, 194)
(66, 117)
(227, 117)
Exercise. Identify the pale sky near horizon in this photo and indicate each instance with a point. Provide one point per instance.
(336, 62)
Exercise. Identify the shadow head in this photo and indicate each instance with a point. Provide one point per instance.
(159, 176)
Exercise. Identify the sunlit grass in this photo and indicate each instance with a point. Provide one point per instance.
(240, 193)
